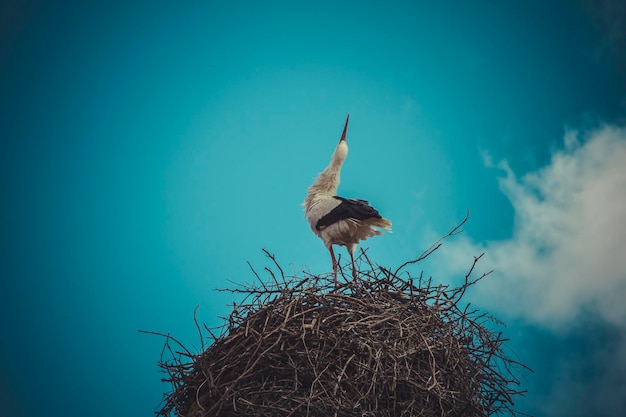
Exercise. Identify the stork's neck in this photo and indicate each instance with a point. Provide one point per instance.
(324, 186)
(326, 183)
(328, 180)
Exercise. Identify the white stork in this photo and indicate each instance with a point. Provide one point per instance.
(337, 220)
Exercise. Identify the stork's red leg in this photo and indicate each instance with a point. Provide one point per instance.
(332, 256)
(353, 267)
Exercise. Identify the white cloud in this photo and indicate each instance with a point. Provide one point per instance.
(567, 254)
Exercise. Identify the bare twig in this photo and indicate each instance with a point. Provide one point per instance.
(436, 245)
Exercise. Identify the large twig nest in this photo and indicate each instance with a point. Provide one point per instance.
(384, 344)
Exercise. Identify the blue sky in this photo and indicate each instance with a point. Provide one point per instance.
(148, 150)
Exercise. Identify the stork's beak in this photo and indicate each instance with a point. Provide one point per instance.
(345, 129)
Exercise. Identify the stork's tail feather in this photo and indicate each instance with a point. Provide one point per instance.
(380, 223)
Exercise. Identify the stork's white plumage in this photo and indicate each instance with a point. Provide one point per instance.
(337, 220)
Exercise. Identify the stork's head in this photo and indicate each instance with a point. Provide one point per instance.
(341, 152)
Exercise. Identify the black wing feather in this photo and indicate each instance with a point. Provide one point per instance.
(348, 209)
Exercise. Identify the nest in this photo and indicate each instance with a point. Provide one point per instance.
(383, 344)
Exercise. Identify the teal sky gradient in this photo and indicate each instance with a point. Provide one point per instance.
(149, 149)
